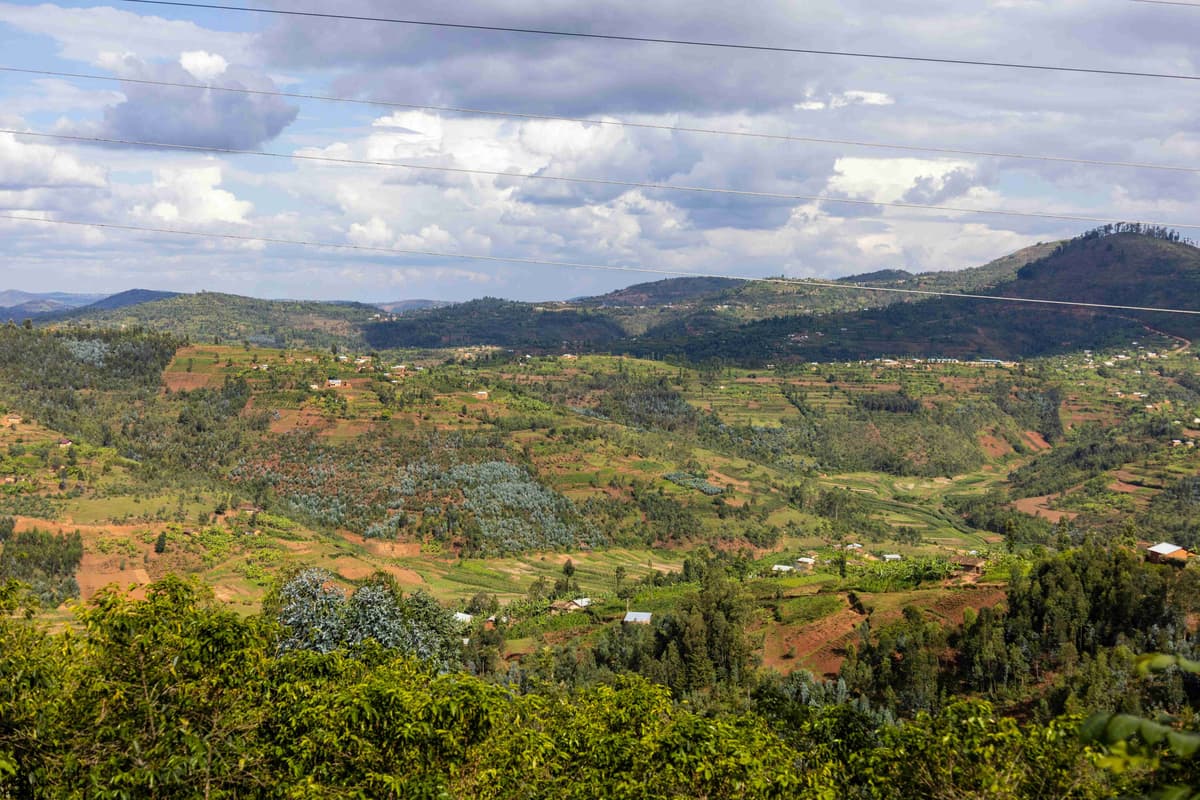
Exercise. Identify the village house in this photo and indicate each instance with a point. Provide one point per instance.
(481, 394)
(12, 419)
(570, 606)
(637, 618)
(1167, 553)
(334, 383)
(782, 568)
(891, 557)
(970, 564)
(807, 562)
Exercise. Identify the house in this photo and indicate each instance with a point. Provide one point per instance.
(782, 568)
(481, 394)
(334, 383)
(891, 557)
(12, 419)
(854, 546)
(969, 564)
(806, 562)
(1167, 553)
(637, 617)
(63, 444)
(462, 618)
(569, 606)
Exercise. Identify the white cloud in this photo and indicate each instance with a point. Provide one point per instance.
(202, 65)
(890, 179)
(94, 34)
(35, 165)
(192, 195)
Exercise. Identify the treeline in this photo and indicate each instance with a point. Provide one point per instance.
(45, 374)
(45, 561)
(1067, 639)
(175, 697)
(1091, 451)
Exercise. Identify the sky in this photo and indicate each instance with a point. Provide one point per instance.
(961, 107)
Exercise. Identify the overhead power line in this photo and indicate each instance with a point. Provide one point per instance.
(581, 265)
(662, 40)
(1167, 3)
(670, 187)
(779, 137)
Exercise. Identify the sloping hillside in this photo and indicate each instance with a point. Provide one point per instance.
(208, 315)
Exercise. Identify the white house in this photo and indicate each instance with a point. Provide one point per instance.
(637, 617)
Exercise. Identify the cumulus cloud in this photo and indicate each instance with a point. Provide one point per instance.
(201, 118)
(93, 35)
(192, 195)
(28, 166)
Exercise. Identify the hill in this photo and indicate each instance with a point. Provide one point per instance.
(878, 276)
(18, 305)
(1121, 265)
(658, 293)
(209, 315)
(404, 306)
(132, 297)
(497, 322)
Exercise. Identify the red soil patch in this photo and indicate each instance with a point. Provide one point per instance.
(187, 381)
(290, 420)
(994, 446)
(816, 646)
(1040, 507)
(1036, 441)
(97, 571)
(952, 605)
(1123, 488)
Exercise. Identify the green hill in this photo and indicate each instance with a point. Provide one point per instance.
(209, 316)
(1119, 266)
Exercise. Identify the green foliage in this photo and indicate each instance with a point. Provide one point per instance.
(45, 561)
(318, 616)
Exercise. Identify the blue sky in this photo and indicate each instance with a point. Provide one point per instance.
(1107, 118)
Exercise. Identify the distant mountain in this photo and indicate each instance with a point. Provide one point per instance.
(208, 316)
(404, 306)
(1122, 265)
(17, 305)
(13, 297)
(879, 276)
(669, 312)
(131, 297)
(498, 322)
(749, 321)
(660, 293)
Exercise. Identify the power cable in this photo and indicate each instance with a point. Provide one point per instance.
(612, 122)
(581, 265)
(671, 187)
(1167, 3)
(661, 40)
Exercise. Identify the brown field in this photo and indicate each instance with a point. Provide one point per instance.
(187, 381)
(1040, 507)
(994, 446)
(1036, 441)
